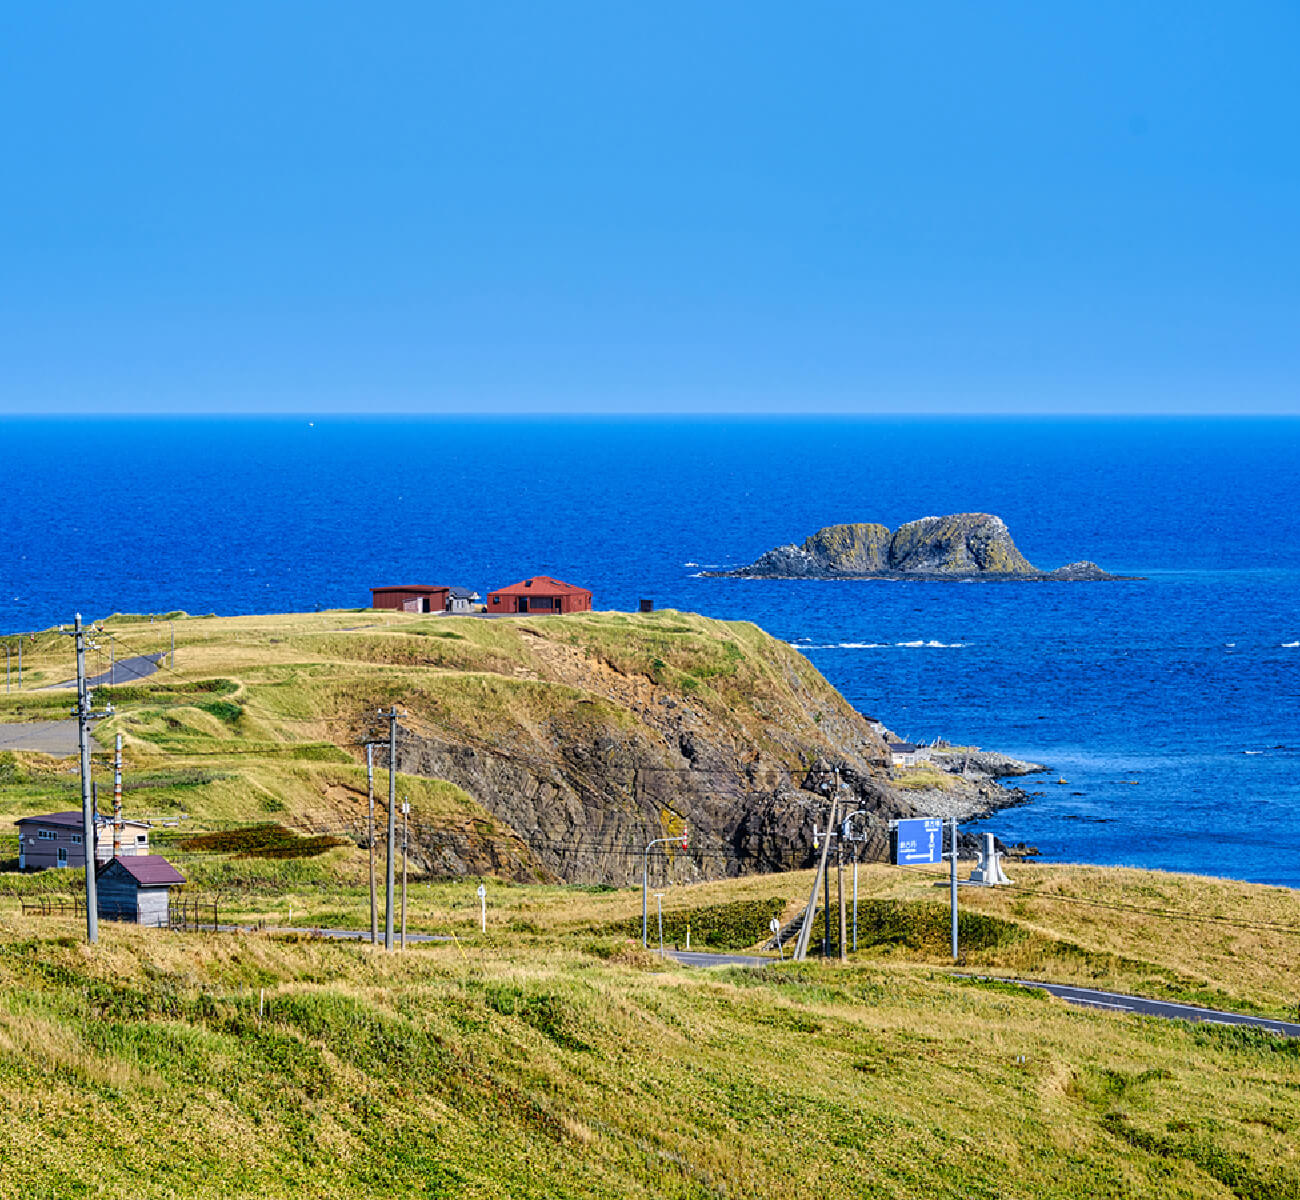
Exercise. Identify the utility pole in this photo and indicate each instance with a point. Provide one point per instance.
(7, 667)
(810, 913)
(171, 662)
(857, 854)
(392, 828)
(406, 812)
(112, 659)
(117, 797)
(370, 839)
(84, 715)
(839, 891)
(952, 888)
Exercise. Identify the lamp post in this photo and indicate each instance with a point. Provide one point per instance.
(645, 880)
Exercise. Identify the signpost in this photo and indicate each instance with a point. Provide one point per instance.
(482, 902)
(918, 841)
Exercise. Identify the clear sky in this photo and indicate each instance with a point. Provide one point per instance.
(668, 206)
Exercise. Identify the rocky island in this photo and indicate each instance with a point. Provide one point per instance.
(958, 546)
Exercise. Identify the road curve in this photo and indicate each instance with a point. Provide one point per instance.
(1120, 1002)
(1084, 997)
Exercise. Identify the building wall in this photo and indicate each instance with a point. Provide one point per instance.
(116, 892)
(561, 602)
(398, 600)
(38, 853)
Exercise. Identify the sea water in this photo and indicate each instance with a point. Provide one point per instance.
(1169, 705)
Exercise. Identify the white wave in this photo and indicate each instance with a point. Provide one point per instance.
(690, 564)
(877, 645)
(1291, 645)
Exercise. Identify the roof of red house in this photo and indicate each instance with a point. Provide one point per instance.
(413, 587)
(149, 869)
(541, 583)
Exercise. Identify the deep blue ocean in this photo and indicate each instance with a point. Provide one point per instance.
(1171, 705)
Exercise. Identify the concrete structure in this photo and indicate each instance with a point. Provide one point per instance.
(55, 840)
(988, 871)
(540, 594)
(424, 598)
(137, 890)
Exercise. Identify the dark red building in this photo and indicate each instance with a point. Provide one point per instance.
(540, 594)
(411, 598)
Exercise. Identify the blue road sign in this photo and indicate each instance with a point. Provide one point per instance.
(919, 840)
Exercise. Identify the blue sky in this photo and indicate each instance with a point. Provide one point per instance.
(720, 207)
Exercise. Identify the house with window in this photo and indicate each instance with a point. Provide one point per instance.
(904, 754)
(57, 840)
(540, 594)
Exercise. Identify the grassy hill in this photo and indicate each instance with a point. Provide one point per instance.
(577, 734)
(552, 1056)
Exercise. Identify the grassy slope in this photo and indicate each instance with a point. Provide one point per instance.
(550, 1058)
(566, 1067)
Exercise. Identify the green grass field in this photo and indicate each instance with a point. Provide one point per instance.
(551, 1055)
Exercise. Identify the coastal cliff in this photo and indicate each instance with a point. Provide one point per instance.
(957, 546)
(537, 747)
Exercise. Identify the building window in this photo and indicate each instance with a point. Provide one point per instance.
(141, 839)
(76, 839)
(47, 835)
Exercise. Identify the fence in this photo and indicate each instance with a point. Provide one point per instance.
(48, 906)
(194, 915)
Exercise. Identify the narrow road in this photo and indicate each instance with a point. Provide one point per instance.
(1119, 1002)
(57, 738)
(1084, 997)
(125, 670)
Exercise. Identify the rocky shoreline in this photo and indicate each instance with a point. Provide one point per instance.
(957, 547)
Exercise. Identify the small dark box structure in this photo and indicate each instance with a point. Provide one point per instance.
(540, 594)
(137, 889)
(647, 606)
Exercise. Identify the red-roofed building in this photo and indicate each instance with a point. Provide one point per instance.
(424, 598)
(540, 594)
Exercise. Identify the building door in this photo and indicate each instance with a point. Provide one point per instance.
(523, 604)
(63, 856)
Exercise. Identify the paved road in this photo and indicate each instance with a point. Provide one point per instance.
(58, 738)
(125, 670)
(1119, 1002)
(1085, 997)
(702, 958)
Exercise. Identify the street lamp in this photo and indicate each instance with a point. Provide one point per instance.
(645, 880)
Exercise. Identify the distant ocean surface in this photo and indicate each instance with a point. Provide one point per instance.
(1171, 705)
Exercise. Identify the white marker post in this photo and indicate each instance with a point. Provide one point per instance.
(482, 903)
(775, 926)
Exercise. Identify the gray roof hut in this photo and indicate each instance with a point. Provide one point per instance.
(137, 889)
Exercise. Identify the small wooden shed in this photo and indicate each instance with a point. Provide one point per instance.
(137, 889)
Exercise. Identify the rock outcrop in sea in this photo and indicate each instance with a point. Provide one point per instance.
(958, 546)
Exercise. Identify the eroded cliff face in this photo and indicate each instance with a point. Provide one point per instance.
(595, 752)
(960, 545)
